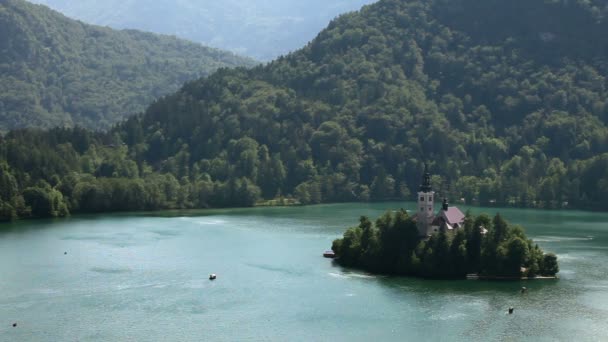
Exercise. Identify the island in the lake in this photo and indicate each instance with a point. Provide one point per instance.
(448, 244)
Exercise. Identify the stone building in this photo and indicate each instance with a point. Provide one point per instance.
(448, 218)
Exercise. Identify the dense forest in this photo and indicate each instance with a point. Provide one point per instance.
(262, 29)
(484, 246)
(55, 71)
(505, 113)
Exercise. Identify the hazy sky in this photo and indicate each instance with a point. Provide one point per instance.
(262, 29)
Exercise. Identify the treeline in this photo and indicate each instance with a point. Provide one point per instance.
(102, 179)
(55, 71)
(354, 115)
(484, 246)
(87, 194)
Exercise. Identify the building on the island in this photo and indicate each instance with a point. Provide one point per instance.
(447, 219)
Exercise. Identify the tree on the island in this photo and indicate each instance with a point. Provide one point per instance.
(366, 226)
(459, 254)
(500, 227)
(517, 254)
(536, 260)
(549, 266)
(472, 228)
(442, 261)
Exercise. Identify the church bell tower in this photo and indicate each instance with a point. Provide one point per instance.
(426, 205)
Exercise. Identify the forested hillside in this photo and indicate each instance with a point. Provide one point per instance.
(504, 115)
(263, 29)
(55, 71)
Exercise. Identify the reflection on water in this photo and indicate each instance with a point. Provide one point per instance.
(134, 276)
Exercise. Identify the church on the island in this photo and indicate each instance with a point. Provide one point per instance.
(448, 218)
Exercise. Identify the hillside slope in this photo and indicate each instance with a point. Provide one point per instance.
(507, 114)
(263, 29)
(55, 71)
(503, 115)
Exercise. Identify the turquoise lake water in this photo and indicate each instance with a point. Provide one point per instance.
(144, 277)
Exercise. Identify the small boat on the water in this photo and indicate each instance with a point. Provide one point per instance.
(212, 276)
(329, 254)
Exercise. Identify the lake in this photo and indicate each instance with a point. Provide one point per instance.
(144, 277)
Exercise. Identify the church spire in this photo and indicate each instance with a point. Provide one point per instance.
(426, 180)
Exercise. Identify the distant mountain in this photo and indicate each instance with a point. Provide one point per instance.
(56, 71)
(509, 112)
(263, 29)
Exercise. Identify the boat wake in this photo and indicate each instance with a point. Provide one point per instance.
(551, 238)
(203, 221)
(447, 317)
(351, 275)
(213, 222)
(568, 257)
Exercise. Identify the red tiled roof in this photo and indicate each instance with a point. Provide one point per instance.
(453, 216)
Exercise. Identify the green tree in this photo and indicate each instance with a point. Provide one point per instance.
(549, 266)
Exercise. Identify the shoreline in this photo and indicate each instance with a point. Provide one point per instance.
(509, 278)
(266, 204)
(467, 277)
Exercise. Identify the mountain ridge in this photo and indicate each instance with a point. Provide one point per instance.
(262, 29)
